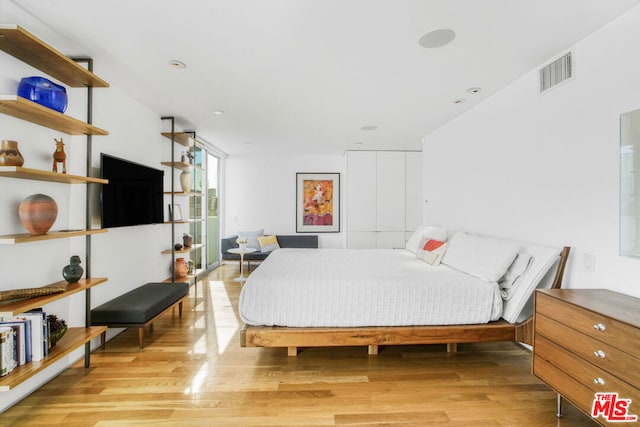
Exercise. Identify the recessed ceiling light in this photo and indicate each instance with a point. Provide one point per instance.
(369, 127)
(248, 142)
(459, 101)
(359, 143)
(218, 112)
(437, 38)
(474, 90)
(177, 64)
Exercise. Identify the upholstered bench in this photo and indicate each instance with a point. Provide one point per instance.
(139, 307)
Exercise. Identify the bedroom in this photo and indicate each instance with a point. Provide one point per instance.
(555, 156)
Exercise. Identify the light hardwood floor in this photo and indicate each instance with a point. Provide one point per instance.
(194, 372)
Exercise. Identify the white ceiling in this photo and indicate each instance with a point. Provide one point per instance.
(303, 76)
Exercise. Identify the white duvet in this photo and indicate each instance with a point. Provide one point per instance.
(363, 287)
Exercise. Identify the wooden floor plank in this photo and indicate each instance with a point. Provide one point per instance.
(193, 371)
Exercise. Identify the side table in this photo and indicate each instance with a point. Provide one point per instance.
(242, 277)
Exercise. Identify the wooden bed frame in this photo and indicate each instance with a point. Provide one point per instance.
(292, 338)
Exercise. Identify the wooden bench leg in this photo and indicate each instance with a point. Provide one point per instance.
(373, 349)
(103, 340)
(452, 347)
(180, 309)
(141, 337)
(292, 351)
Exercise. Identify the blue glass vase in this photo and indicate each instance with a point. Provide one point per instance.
(44, 92)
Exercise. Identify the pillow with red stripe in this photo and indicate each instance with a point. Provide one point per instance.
(432, 251)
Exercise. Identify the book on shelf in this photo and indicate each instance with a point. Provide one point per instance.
(20, 336)
(25, 338)
(37, 336)
(7, 350)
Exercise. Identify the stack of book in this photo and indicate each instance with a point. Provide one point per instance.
(23, 338)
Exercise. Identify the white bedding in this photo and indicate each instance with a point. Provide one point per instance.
(363, 287)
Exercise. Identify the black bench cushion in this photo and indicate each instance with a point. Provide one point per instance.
(139, 305)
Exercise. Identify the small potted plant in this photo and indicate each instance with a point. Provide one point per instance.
(242, 243)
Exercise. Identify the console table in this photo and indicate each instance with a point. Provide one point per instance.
(587, 341)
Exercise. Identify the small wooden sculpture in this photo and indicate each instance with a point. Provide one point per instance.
(59, 156)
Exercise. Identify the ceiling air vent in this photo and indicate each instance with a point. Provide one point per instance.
(558, 71)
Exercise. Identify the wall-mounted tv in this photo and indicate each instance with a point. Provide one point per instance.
(134, 193)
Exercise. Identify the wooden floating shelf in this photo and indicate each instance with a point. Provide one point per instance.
(185, 221)
(190, 278)
(72, 340)
(21, 44)
(12, 308)
(13, 239)
(182, 166)
(40, 175)
(182, 193)
(182, 138)
(184, 250)
(21, 108)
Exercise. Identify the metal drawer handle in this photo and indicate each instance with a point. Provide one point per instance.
(599, 327)
(599, 354)
(598, 381)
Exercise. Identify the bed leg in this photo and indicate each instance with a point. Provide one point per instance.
(373, 350)
(292, 351)
(452, 347)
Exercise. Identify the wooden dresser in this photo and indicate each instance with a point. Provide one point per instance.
(587, 341)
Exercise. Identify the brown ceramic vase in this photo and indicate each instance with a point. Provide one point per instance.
(9, 154)
(181, 268)
(37, 213)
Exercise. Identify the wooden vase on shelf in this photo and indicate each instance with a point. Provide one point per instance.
(9, 154)
(181, 268)
(37, 213)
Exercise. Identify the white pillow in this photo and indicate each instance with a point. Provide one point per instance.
(539, 275)
(431, 251)
(252, 237)
(483, 257)
(425, 232)
(515, 270)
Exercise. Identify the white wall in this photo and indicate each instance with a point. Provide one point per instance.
(545, 168)
(261, 194)
(127, 256)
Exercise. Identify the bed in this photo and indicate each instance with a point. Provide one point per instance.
(480, 291)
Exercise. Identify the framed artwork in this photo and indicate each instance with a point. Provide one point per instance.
(175, 212)
(317, 202)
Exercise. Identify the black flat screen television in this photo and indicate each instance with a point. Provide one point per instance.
(133, 195)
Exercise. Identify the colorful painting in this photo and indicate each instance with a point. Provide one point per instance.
(318, 202)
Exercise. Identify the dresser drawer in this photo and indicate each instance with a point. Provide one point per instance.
(594, 351)
(577, 393)
(582, 372)
(612, 332)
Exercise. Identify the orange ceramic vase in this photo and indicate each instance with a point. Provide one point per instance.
(181, 268)
(37, 213)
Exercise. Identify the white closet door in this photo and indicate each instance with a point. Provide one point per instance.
(391, 187)
(361, 191)
(361, 239)
(390, 239)
(413, 179)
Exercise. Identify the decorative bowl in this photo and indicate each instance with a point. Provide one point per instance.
(44, 92)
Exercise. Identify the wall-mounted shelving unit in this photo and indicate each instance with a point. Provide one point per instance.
(188, 140)
(26, 47)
